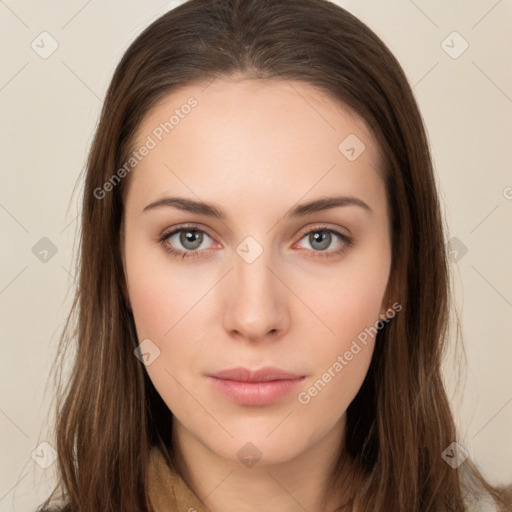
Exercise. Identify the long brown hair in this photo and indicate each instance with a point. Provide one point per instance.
(109, 414)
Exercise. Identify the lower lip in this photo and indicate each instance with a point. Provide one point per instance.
(255, 393)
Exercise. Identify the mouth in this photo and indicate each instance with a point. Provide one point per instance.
(255, 387)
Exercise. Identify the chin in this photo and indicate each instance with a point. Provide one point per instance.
(259, 448)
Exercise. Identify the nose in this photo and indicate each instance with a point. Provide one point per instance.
(256, 307)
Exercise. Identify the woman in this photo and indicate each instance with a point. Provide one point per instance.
(263, 296)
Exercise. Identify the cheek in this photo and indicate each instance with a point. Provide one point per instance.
(340, 359)
(162, 303)
(160, 293)
(327, 395)
(349, 307)
(351, 301)
(149, 304)
(170, 307)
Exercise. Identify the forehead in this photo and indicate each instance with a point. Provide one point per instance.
(254, 134)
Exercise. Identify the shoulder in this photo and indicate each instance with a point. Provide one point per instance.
(506, 494)
(483, 501)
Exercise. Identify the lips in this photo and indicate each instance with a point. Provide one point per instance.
(255, 387)
(265, 374)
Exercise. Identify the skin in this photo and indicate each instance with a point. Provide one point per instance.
(256, 149)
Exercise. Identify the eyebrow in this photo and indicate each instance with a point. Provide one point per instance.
(211, 210)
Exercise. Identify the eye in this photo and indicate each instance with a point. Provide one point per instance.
(190, 238)
(321, 237)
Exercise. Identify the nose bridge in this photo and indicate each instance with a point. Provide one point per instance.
(253, 277)
(252, 271)
(255, 301)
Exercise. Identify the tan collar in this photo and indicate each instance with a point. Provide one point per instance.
(168, 492)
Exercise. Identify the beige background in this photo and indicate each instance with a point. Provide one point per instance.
(49, 109)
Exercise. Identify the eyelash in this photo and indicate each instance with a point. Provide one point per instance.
(347, 242)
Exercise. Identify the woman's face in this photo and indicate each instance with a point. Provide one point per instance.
(269, 284)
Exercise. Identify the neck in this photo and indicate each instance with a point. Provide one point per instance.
(294, 485)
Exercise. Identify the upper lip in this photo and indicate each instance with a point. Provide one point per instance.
(264, 374)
